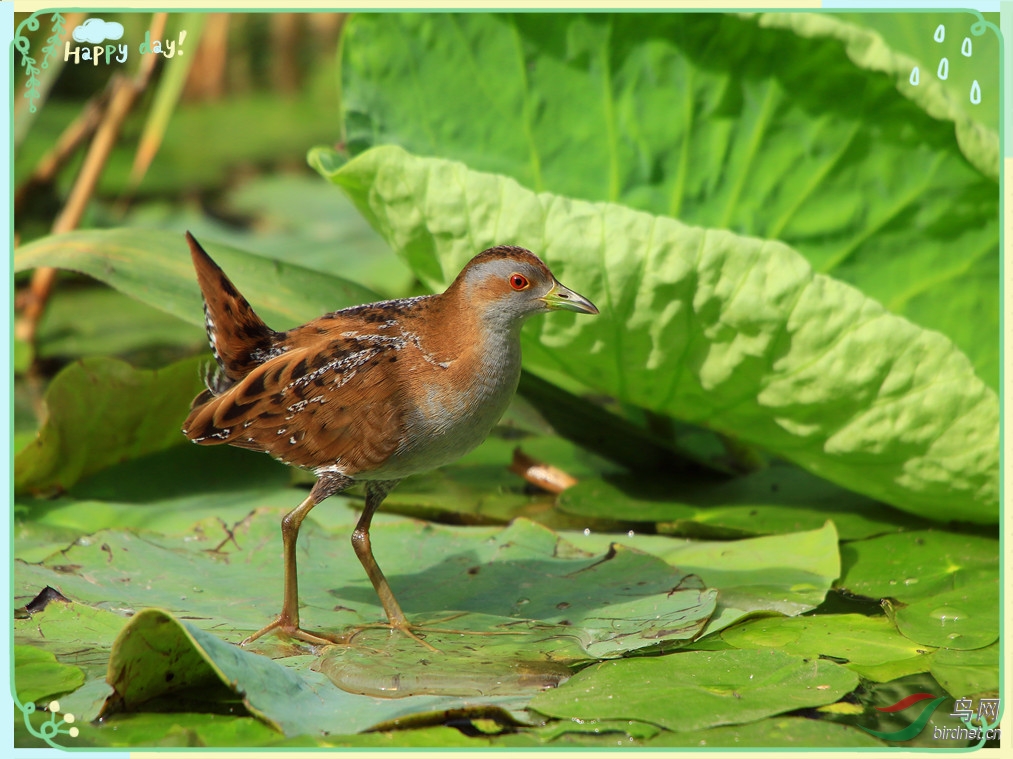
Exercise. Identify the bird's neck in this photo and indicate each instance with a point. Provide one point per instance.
(484, 331)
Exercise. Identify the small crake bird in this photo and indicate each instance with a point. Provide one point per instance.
(371, 393)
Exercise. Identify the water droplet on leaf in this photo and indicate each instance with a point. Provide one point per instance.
(947, 614)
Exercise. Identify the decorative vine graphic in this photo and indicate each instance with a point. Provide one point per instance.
(23, 44)
(48, 730)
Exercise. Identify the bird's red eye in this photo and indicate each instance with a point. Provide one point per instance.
(519, 282)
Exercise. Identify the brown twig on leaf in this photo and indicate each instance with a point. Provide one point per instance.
(539, 474)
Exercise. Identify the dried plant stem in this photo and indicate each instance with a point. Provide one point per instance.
(120, 101)
(286, 40)
(122, 94)
(210, 59)
(49, 166)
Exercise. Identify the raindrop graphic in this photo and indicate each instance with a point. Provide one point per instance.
(944, 68)
(914, 76)
(975, 92)
(940, 34)
(966, 47)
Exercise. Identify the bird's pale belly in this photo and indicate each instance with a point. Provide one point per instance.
(442, 434)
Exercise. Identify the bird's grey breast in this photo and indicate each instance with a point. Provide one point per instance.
(447, 419)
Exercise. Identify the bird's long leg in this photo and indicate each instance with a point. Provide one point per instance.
(288, 621)
(375, 493)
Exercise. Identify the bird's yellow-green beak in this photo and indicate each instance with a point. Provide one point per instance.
(561, 298)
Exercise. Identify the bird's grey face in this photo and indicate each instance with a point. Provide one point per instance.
(516, 285)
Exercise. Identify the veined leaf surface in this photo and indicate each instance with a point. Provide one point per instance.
(733, 333)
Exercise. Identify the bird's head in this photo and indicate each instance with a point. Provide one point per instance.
(506, 284)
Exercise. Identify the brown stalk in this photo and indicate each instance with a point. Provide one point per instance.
(122, 95)
(286, 39)
(52, 163)
(207, 73)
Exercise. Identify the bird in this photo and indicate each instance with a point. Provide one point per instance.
(368, 394)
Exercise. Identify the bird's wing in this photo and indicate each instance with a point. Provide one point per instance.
(333, 402)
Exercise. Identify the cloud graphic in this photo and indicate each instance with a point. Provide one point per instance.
(95, 30)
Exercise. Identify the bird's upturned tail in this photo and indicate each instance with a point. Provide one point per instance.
(239, 338)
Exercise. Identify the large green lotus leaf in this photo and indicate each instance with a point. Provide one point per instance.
(289, 219)
(37, 674)
(779, 732)
(33, 540)
(917, 565)
(160, 658)
(187, 730)
(331, 235)
(214, 474)
(967, 673)
(87, 701)
(971, 49)
(471, 655)
(223, 486)
(731, 332)
(788, 574)
(77, 634)
(89, 321)
(229, 588)
(963, 618)
(774, 732)
(628, 728)
(698, 689)
(776, 499)
(154, 266)
(854, 640)
(203, 731)
(101, 411)
(797, 127)
(228, 578)
(893, 670)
